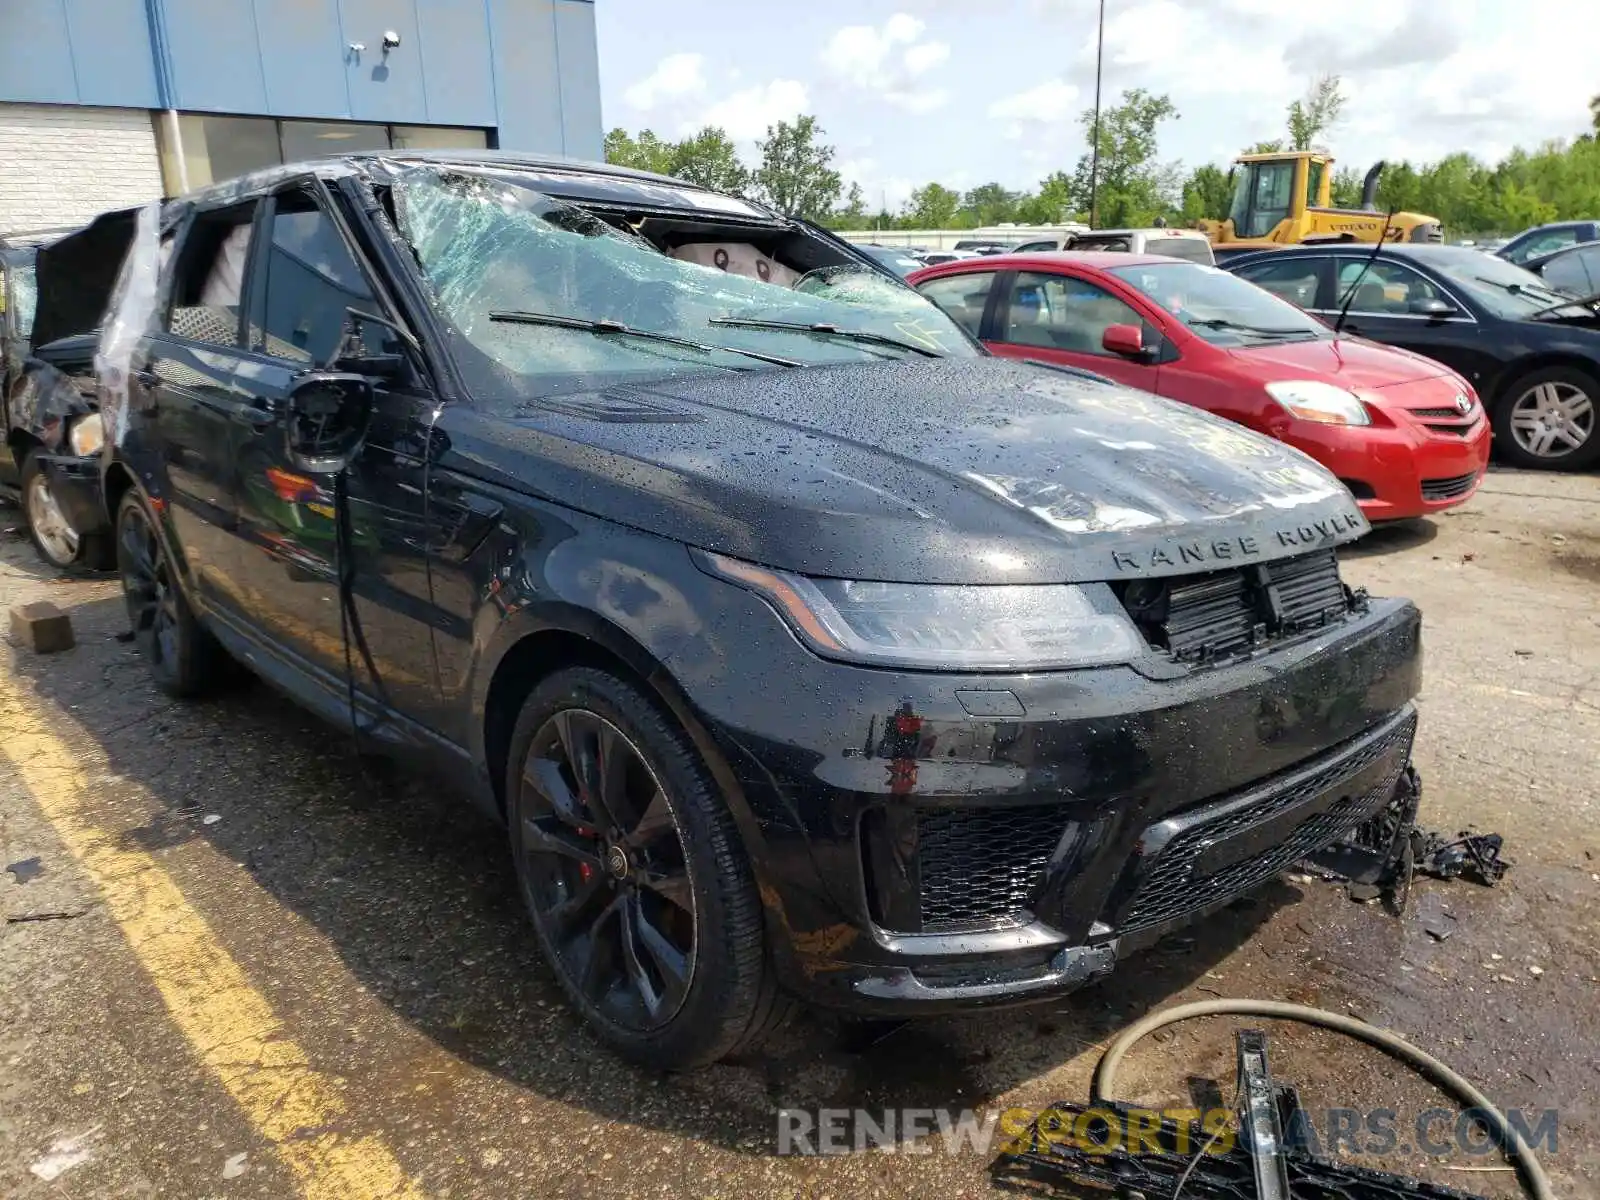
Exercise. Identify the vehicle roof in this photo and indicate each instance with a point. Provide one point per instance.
(590, 180)
(1158, 230)
(1097, 260)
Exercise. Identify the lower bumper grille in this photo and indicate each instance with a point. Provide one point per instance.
(983, 865)
(1448, 489)
(1179, 881)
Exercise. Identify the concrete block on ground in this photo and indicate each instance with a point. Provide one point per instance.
(41, 627)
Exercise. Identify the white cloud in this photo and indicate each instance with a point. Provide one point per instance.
(745, 115)
(888, 61)
(1051, 101)
(676, 77)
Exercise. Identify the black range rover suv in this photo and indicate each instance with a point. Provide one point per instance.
(804, 649)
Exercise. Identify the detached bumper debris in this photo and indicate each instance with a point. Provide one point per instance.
(1385, 853)
(1073, 1150)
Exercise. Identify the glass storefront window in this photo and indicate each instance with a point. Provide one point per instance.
(217, 147)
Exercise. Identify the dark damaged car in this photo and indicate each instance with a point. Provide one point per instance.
(57, 289)
(804, 649)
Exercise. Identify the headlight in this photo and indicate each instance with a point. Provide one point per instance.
(87, 435)
(1311, 400)
(1003, 627)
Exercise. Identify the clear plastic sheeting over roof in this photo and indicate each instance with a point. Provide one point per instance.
(491, 248)
(128, 317)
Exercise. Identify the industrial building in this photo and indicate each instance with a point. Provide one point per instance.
(105, 103)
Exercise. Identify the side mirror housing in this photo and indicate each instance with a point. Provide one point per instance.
(1126, 340)
(1432, 306)
(328, 415)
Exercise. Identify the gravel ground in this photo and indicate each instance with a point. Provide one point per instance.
(375, 920)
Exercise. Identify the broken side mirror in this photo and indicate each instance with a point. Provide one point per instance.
(328, 414)
(1125, 340)
(354, 356)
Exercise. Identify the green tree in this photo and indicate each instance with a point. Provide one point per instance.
(710, 159)
(852, 214)
(1594, 112)
(1134, 188)
(1273, 147)
(1346, 188)
(794, 176)
(1207, 194)
(1317, 112)
(646, 152)
(1051, 204)
(932, 206)
(990, 204)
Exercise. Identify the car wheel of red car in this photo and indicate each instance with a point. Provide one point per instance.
(52, 534)
(1549, 419)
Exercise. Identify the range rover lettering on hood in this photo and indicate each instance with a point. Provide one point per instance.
(1222, 552)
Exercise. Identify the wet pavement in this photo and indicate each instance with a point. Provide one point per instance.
(244, 965)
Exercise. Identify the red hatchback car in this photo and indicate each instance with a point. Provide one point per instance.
(1406, 435)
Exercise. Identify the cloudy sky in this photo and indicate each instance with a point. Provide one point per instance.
(915, 90)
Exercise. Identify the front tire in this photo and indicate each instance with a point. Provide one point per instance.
(634, 875)
(53, 536)
(1549, 420)
(184, 659)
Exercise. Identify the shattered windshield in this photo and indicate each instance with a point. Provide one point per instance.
(541, 294)
(26, 289)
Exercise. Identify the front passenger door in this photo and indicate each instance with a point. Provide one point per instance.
(1063, 319)
(307, 278)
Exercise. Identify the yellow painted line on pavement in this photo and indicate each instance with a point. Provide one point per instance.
(228, 1023)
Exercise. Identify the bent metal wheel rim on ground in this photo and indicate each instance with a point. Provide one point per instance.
(608, 875)
(1553, 419)
(55, 533)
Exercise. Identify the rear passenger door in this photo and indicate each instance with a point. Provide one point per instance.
(965, 298)
(192, 404)
(1301, 280)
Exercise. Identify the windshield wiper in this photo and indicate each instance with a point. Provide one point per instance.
(1276, 331)
(1522, 289)
(822, 327)
(617, 328)
(1584, 302)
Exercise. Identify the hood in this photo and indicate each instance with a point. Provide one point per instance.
(980, 470)
(75, 276)
(1349, 362)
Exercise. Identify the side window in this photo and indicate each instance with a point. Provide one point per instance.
(1385, 287)
(208, 284)
(1269, 203)
(1294, 280)
(1059, 312)
(309, 279)
(1570, 273)
(1545, 243)
(962, 297)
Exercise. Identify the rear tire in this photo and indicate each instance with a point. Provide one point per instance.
(184, 659)
(52, 535)
(633, 873)
(1549, 420)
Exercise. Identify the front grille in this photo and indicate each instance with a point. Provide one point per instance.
(1448, 489)
(983, 865)
(1436, 414)
(1458, 430)
(1203, 618)
(1172, 886)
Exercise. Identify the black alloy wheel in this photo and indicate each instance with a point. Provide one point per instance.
(633, 871)
(184, 659)
(607, 874)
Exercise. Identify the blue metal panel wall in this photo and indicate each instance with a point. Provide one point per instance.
(579, 79)
(216, 56)
(384, 86)
(68, 52)
(526, 71)
(456, 62)
(302, 57)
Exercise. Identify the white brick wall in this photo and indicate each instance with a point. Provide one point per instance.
(61, 164)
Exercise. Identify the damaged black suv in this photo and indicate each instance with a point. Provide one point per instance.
(804, 649)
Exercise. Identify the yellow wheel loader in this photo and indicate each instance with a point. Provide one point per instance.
(1285, 199)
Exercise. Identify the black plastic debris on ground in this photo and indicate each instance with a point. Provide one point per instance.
(1474, 856)
(28, 868)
